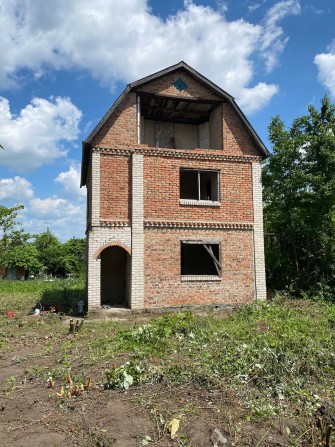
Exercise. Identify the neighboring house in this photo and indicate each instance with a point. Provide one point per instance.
(174, 208)
(13, 273)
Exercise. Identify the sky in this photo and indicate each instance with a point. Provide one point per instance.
(64, 62)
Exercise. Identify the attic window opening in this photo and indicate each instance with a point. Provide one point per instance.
(199, 185)
(200, 258)
(180, 84)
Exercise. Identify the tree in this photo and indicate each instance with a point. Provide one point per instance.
(10, 235)
(50, 252)
(25, 256)
(299, 196)
(8, 218)
(15, 250)
(74, 260)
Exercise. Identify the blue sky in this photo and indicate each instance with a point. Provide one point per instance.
(63, 63)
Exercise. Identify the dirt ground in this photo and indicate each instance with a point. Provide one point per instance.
(34, 415)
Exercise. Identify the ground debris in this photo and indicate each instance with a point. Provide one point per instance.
(217, 438)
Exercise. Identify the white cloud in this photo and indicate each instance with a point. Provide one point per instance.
(122, 40)
(70, 181)
(64, 214)
(35, 136)
(326, 66)
(17, 189)
(65, 218)
(257, 97)
(253, 7)
(274, 39)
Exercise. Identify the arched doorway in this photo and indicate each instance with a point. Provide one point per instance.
(115, 273)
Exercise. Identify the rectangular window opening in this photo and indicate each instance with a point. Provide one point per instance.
(200, 258)
(199, 185)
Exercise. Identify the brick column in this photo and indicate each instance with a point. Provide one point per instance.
(94, 265)
(95, 218)
(137, 234)
(259, 259)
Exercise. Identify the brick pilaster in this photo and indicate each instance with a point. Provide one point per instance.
(259, 258)
(137, 234)
(94, 265)
(95, 218)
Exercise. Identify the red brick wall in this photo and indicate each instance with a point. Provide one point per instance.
(163, 286)
(236, 140)
(164, 86)
(119, 131)
(20, 272)
(162, 191)
(115, 189)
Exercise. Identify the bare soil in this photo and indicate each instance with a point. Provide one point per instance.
(34, 415)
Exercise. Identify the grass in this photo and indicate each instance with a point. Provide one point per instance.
(23, 296)
(273, 362)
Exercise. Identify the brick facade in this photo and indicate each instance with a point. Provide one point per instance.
(134, 201)
(163, 285)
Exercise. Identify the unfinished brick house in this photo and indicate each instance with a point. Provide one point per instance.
(174, 203)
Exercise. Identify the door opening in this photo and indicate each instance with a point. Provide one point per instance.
(115, 269)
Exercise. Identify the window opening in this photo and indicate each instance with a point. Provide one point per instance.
(199, 185)
(200, 258)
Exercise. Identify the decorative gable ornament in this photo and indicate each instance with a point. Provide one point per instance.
(180, 84)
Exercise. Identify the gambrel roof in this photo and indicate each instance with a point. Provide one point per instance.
(193, 111)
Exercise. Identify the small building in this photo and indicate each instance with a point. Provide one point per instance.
(13, 273)
(174, 197)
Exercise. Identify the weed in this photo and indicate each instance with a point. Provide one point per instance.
(124, 376)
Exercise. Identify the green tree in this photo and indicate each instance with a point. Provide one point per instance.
(74, 260)
(50, 252)
(24, 255)
(15, 250)
(299, 201)
(10, 234)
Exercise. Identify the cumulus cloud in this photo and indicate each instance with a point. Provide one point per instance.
(34, 137)
(70, 181)
(326, 67)
(17, 189)
(257, 97)
(63, 217)
(123, 40)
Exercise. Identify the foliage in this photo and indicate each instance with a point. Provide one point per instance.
(15, 250)
(124, 376)
(299, 195)
(50, 251)
(8, 218)
(74, 256)
(24, 255)
(18, 250)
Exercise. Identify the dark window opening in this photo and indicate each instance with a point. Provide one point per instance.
(199, 185)
(198, 258)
